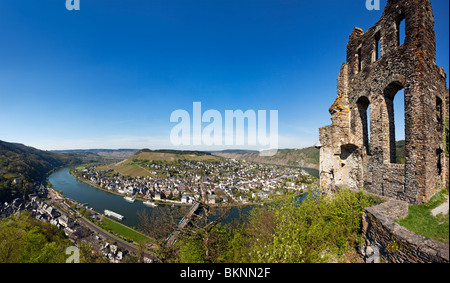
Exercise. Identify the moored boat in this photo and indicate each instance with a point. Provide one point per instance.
(129, 199)
(149, 203)
(114, 214)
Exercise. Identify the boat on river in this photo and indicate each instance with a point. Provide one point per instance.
(149, 203)
(129, 199)
(114, 214)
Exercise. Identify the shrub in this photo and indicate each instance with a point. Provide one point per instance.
(294, 231)
(310, 231)
(24, 239)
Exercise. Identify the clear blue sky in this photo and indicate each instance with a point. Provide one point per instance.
(110, 75)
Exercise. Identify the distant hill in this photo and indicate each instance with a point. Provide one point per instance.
(28, 163)
(132, 166)
(306, 157)
(234, 151)
(400, 153)
(21, 166)
(183, 154)
(119, 153)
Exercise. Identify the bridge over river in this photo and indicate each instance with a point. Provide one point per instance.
(195, 208)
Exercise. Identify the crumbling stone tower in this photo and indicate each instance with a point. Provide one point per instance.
(379, 64)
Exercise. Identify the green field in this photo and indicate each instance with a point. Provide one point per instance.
(421, 221)
(124, 231)
(128, 170)
(131, 166)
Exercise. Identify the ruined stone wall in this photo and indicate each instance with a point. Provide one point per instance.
(380, 64)
(395, 243)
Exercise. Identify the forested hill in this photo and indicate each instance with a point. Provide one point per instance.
(21, 166)
(306, 157)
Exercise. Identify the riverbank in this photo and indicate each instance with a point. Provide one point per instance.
(99, 200)
(162, 202)
(178, 203)
(100, 224)
(95, 200)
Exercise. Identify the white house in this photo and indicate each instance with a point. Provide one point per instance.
(185, 199)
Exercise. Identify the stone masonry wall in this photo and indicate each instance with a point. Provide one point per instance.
(395, 243)
(379, 65)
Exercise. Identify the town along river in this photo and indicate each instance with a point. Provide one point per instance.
(100, 200)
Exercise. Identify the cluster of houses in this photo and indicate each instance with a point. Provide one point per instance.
(43, 211)
(216, 182)
(112, 252)
(116, 254)
(20, 204)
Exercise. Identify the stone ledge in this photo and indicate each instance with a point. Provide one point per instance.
(396, 166)
(395, 242)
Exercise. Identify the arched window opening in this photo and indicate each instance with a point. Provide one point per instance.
(439, 161)
(364, 114)
(377, 46)
(359, 61)
(401, 30)
(395, 103)
(439, 115)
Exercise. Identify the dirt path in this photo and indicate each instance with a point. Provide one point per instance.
(443, 208)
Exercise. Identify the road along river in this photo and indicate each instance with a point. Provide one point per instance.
(100, 200)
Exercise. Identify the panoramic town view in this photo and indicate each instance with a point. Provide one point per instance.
(245, 132)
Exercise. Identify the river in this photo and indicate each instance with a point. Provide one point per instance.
(100, 200)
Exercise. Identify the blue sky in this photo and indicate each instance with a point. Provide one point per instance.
(111, 74)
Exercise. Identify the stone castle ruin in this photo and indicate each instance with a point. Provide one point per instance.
(395, 56)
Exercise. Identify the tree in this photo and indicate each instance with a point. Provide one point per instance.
(90, 253)
(192, 251)
(159, 225)
(24, 239)
(309, 231)
(204, 223)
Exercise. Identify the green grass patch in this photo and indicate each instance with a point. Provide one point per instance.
(422, 222)
(9, 176)
(124, 231)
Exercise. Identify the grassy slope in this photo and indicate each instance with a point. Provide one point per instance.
(421, 221)
(306, 157)
(129, 167)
